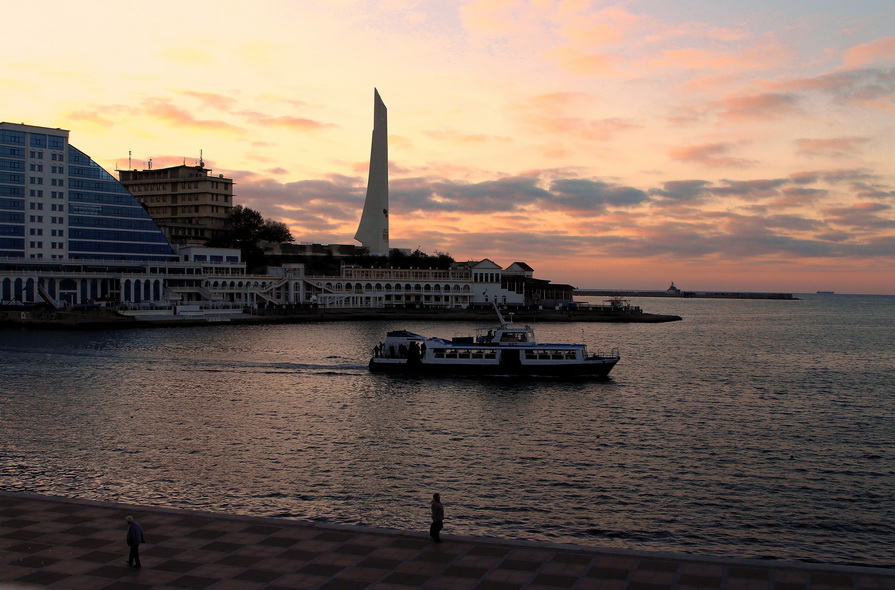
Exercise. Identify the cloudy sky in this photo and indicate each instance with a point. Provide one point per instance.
(620, 144)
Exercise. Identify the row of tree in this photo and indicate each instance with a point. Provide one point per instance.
(248, 228)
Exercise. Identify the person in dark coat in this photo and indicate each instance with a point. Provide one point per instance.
(437, 518)
(134, 538)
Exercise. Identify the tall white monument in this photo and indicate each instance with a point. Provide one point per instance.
(372, 231)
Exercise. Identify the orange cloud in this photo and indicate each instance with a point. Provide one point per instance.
(709, 154)
(836, 146)
(866, 53)
(466, 138)
(99, 117)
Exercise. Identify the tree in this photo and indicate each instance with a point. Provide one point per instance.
(247, 227)
(275, 231)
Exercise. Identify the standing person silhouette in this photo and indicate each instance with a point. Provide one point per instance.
(134, 538)
(437, 518)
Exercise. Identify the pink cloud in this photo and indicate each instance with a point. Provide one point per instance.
(860, 216)
(465, 138)
(588, 129)
(295, 123)
(709, 84)
(557, 113)
(588, 63)
(769, 105)
(211, 99)
(173, 115)
(799, 197)
(761, 56)
(879, 50)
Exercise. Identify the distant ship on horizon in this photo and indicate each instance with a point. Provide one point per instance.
(826, 292)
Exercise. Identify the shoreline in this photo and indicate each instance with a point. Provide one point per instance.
(109, 319)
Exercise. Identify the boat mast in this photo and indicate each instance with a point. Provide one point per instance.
(503, 322)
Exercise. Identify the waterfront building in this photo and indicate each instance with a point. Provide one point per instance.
(58, 204)
(73, 235)
(463, 285)
(189, 203)
(372, 231)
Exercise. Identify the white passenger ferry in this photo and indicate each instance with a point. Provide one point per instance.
(502, 350)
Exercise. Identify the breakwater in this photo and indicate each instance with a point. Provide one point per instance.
(683, 294)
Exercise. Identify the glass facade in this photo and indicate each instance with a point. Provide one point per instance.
(90, 213)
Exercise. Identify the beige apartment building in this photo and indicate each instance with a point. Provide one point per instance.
(188, 203)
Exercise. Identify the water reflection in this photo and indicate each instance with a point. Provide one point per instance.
(750, 428)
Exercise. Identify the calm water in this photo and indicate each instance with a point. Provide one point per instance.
(751, 428)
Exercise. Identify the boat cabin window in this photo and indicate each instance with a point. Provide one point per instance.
(547, 355)
(514, 337)
(442, 353)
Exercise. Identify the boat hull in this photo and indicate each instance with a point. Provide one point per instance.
(592, 368)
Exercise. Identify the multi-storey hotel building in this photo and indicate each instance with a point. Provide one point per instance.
(189, 204)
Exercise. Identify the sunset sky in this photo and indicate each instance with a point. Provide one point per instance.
(623, 144)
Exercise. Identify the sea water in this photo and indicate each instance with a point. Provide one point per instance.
(752, 428)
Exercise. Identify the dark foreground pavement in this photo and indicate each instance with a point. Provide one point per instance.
(63, 543)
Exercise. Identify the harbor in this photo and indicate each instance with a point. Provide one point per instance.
(690, 447)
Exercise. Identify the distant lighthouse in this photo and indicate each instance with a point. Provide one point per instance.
(372, 231)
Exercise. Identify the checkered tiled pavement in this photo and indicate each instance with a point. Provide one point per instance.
(62, 543)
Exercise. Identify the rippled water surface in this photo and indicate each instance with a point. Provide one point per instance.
(751, 428)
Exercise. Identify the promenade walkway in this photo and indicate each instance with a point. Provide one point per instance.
(48, 542)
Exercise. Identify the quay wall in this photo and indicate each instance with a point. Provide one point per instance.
(106, 318)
